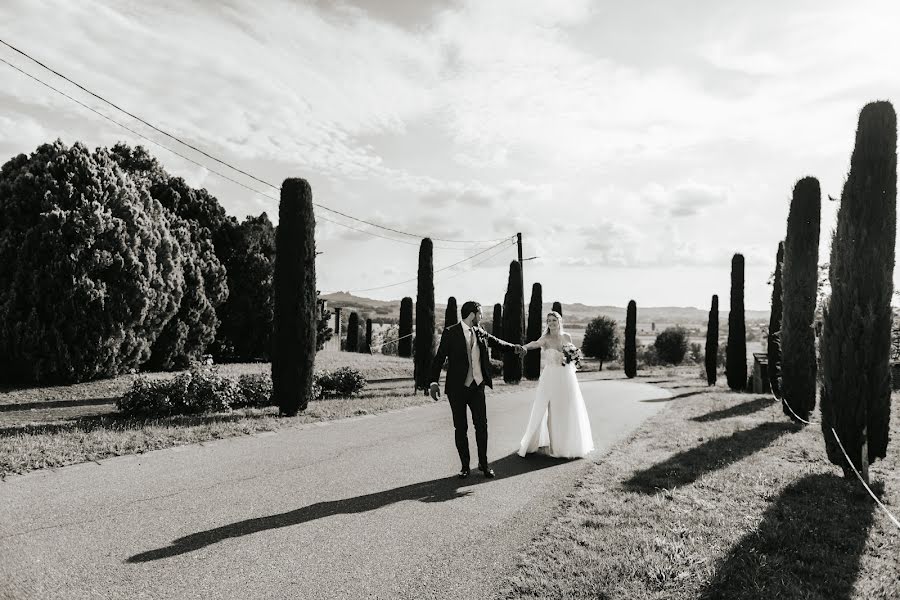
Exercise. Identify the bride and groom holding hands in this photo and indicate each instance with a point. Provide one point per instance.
(558, 423)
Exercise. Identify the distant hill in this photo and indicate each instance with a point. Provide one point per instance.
(575, 313)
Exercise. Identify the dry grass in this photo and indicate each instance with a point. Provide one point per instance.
(718, 496)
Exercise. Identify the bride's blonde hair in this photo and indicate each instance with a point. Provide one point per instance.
(558, 316)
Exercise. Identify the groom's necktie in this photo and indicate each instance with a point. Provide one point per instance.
(470, 376)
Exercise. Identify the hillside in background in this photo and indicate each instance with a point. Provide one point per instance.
(576, 313)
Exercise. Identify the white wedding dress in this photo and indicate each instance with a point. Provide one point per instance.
(558, 425)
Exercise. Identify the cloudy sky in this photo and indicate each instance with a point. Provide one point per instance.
(636, 146)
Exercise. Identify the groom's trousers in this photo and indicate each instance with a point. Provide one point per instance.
(471, 396)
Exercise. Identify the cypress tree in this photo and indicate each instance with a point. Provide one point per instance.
(294, 282)
(712, 341)
(368, 347)
(404, 346)
(425, 320)
(557, 307)
(736, 350)
(801, 273)
(513, 323)
(451, 317)
(352, 343)
(856, 392)
(497, 326)
(773, 343)
(535, 325)
(630, 340)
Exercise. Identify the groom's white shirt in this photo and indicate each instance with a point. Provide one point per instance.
(475, 356)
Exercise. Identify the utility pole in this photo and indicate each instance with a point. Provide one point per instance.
(519, 240)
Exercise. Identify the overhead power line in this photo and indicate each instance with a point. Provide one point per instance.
(505, 243)
(206, 154)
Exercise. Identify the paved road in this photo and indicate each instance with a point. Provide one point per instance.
(360, 508)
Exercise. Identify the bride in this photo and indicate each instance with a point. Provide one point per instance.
(559, 424)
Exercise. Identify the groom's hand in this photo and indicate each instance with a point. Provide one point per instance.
(520, 350)
(435, 391)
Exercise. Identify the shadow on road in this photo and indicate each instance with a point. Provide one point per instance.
(688, 466)
(745, 408)
(436, 490)
(676, 396)
(808, 545)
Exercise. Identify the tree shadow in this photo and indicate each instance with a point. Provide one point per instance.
(688, 466)
(436, 490)
(51, 404)
(808, 545)
(745, 408)
(121, 422)
(676, 396)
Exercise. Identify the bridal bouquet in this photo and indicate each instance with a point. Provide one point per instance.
(571, 354)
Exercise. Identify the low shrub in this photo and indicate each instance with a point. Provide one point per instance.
(204, 390)
(340, 383)
(256, 391)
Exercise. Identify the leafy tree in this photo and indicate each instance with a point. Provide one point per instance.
(497, 323)
(736, 350)
(323, 330)
(773, 342)
(513, 322)
(195, 215)
(601, 339)
(535, 329)
(405, 329)
(856, 393)
(90, 270)
(671, 345)
(368, 346)
(451, 316)
(631, 340)
(352, 343)
(295, 320)
(712, 351)
(425, 320)
(246, 316)
(557, 307)
(798, 339)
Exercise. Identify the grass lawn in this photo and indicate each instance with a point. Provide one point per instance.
(718, 496)
(56, 426)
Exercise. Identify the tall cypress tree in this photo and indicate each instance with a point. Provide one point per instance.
(535, 325)
(557, 307)
(736, 350)
(404, 346)
(773, 343)
(801, 273)
(712, 341)
(497, 323)
(368, 347)
(451, 317)
(294, 283)
(856, 392)
(513, 323)
(352, 343)
(631, 340)
(425, 320)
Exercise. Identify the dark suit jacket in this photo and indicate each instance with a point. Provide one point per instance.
(453, 347)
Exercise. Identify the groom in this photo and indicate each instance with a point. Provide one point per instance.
(464, 345)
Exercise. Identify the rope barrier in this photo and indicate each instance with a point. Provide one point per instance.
(863, 481)
(849, 462)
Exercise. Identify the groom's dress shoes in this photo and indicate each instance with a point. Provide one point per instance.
(488, 472)
(463, 473)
